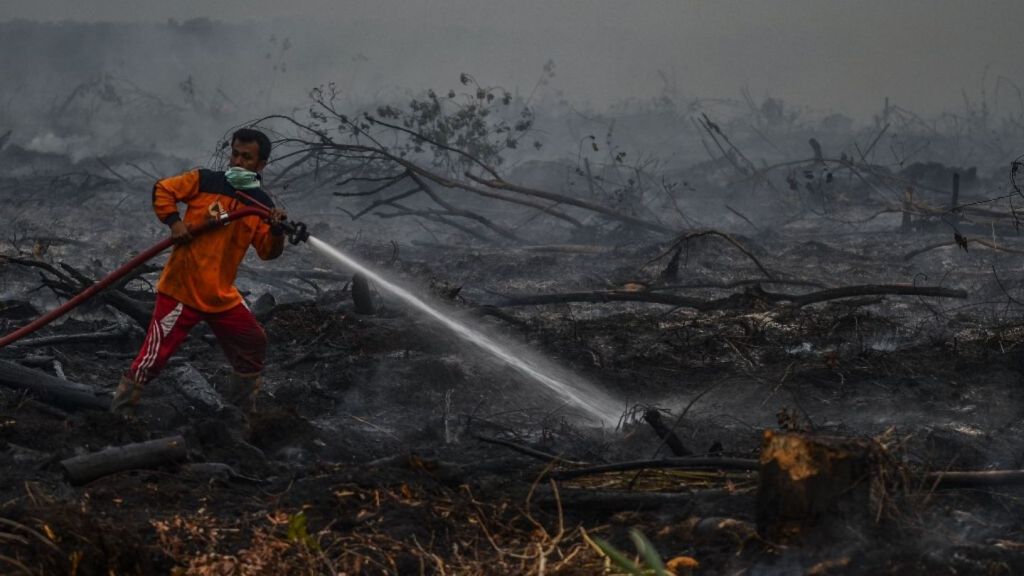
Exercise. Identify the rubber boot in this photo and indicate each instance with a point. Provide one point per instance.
(126, 396)
(241, 390)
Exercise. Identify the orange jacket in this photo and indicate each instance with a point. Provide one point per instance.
(201, 273)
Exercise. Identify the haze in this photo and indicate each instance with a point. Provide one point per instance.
(837, 56)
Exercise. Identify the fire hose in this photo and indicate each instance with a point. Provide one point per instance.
(296, 232)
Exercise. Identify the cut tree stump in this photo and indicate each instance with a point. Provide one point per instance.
(814, 487)
(362, 296)
(88, 467)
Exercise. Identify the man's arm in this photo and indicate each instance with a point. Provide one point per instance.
(269, 238)
(166, 195)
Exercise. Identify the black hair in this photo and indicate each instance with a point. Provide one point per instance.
(253, 135)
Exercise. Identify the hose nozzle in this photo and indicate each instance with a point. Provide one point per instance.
(296, 231)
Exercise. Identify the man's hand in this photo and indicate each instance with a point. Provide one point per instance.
(276, 218)
(277, 215)
(180, 233)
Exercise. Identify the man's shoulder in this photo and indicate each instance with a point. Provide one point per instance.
(186, 179)
(215, 182)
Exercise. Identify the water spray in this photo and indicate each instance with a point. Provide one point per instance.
(578, 394)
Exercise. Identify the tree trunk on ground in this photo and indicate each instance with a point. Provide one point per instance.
(50, 389)
(137, 310)
(84, 469)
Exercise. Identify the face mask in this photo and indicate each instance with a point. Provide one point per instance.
(242, 179)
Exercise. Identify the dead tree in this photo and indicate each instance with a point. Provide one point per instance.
(338, 144)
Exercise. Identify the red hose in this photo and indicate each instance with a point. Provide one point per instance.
(120, 273)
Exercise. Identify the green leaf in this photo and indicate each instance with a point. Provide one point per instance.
(647, 551)
(298, 532)
(619, 558)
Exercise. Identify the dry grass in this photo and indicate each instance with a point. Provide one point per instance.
(453, 533)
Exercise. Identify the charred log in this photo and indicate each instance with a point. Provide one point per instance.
(605, 502)
(539, 454)
(750, 296)
(689, 463)
(667, 434)
(151, 454)
(50, 389)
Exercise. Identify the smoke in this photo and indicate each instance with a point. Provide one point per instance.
(242, 59)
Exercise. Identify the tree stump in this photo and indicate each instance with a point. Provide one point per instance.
(814, 487)
(362, 296)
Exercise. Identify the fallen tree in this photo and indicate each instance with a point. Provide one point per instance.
(739, 300)
(88, 467)
(444, 156)
(50, 389)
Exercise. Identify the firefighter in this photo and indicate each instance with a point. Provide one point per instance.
(197, 283)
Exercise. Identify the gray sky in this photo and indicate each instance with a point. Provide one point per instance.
(830, 55)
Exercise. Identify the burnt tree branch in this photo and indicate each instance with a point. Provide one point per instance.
(754, 294)
(569, 201)
(734, 464)
(682, 239)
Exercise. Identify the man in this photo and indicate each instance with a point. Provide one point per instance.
(198, 280)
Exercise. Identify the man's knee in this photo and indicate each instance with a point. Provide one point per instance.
(246, 349)
(256, 339)
(243, 338)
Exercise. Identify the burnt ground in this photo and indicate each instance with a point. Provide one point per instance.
(365, 453)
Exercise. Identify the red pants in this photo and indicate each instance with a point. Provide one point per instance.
(240, 335)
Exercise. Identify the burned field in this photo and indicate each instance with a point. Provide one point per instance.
(815, 367)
